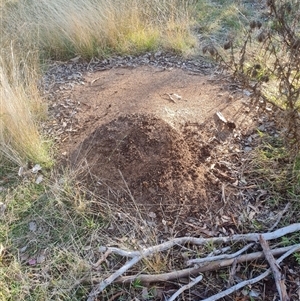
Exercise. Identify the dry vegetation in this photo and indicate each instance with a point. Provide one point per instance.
(21, 110)
(50, 220)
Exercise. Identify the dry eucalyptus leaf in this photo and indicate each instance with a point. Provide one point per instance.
(39, 179)
(251, 215)
(21, 171)
(221, 117)
(178, 97)
(152, 214)
(40, 259)
(22, 250)
(32, 261)
(75, 59)
(36, 168)
(145, 294)
(32, 226)
(2, 208)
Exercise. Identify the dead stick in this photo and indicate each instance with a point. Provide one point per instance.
(280, 285)
(202, 241)
(280, 216)
(103, 258)
(185, 287)
(138, 255)
(103, 284)
(253, 280)
(219, 257)
(196, 270)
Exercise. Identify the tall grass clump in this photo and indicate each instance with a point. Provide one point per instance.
(20, 109)
(62, 29)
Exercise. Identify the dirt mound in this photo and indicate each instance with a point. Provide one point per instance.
(151, 138)
(144, 156)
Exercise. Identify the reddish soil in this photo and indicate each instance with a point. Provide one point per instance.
(136, 143)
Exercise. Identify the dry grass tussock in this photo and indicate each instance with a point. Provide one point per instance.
(97, 28)
(21, 108)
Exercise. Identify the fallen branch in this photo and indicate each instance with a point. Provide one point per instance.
(138, 255)
(202, 241)
(253, 280)
(185, 287)
(103, 284)
(143, 278)
(219, 257)
(280, 285)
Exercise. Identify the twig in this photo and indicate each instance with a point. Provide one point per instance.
(219, 257)
(103, 284)
(185, 287)
(202, 241)
(280, 216)
(280, 285)
(196, 270)
(238, 286)
(253, 280)
(116, 296)
(170, 97)
(103, 258)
